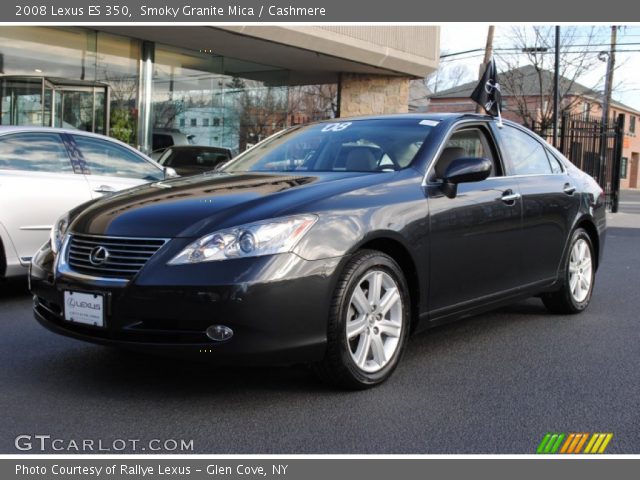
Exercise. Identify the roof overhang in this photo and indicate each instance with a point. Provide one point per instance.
(310, 55)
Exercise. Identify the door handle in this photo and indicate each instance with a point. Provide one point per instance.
(509, 197)
(569, 189)
(105, 189)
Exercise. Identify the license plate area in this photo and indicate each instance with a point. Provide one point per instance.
(84, 308)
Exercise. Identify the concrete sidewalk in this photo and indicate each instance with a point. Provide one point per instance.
(628, 215)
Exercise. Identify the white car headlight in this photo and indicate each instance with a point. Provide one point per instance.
(57, 232)
(268, 237)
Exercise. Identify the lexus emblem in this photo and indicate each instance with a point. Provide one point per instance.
(98, 256)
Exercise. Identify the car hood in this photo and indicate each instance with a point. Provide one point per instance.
(194, 206)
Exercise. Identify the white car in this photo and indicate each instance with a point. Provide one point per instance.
(46, 171)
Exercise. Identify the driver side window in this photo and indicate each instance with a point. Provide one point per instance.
(471, 142)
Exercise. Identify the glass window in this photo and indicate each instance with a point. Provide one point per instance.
(107, 158)
(117, 64)
(244, 102)
(162, 141)
(188, 157)
(66, 52)
(357, 146)
(471, 142)
(632, 124)
(35, 152)
(556, 164)
(624, 161)
(527, 155)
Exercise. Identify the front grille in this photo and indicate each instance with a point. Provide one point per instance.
(125, 256)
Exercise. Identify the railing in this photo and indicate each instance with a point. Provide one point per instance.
(592, 148)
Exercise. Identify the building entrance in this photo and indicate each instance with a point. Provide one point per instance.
(54, 102)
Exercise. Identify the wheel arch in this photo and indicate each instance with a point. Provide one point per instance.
(589, 226)
(402, 256)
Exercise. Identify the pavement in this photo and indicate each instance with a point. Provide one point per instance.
(494, 383)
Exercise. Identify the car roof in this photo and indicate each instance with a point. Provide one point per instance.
(24, 128)
(27, 128)
(413, 116)
(196, 147)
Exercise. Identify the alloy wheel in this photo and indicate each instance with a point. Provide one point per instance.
(375, 321)
(580, 270)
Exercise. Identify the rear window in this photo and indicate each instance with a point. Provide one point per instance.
(194, 158)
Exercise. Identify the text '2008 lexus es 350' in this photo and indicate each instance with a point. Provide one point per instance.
(329, 244)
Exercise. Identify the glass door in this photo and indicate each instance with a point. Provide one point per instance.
(81, 108)
(38, 101)
(21, 100)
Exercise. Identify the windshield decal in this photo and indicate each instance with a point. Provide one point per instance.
(336, 127)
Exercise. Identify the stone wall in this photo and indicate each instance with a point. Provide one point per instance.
(373, 94)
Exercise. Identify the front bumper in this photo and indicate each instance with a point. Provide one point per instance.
(277, 307)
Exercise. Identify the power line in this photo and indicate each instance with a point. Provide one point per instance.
(518, 51)
(549, 50)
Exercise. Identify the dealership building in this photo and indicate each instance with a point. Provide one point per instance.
(226, 86)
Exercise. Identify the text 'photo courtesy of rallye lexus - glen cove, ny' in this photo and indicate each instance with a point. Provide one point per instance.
(328, 244)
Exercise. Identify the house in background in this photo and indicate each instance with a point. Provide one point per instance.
(527, 96)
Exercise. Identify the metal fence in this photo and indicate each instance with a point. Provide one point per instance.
(592, 148)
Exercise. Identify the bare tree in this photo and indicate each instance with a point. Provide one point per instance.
(261, 111)
(531, 90)
(165, 112)
(448, 76)
(314, 102)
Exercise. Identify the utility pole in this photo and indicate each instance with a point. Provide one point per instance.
(608, 86)
(488, 51)
(556, 88)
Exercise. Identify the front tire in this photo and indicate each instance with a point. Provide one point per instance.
(578, 276)
(368, 322)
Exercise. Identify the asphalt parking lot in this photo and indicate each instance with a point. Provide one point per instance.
(495, 383)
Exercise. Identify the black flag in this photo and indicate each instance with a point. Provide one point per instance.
(487, 92)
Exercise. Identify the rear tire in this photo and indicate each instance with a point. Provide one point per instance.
(578, 276)
(369, 323)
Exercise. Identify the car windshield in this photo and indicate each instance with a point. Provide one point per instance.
(350, 146)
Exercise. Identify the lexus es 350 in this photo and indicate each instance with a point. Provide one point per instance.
(328, 244)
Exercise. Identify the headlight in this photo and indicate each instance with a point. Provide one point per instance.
(58, 231)
(269, 237)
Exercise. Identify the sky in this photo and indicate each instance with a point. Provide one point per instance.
(457, 37)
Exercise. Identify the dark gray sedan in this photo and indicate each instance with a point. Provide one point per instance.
(328, 243)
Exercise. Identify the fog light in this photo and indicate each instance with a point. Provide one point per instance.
(219, 333)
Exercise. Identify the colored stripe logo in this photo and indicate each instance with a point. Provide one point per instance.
(574, 443)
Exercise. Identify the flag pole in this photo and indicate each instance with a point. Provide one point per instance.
(500, 124)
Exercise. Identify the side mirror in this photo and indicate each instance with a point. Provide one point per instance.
(464, 170)
(170, 173)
